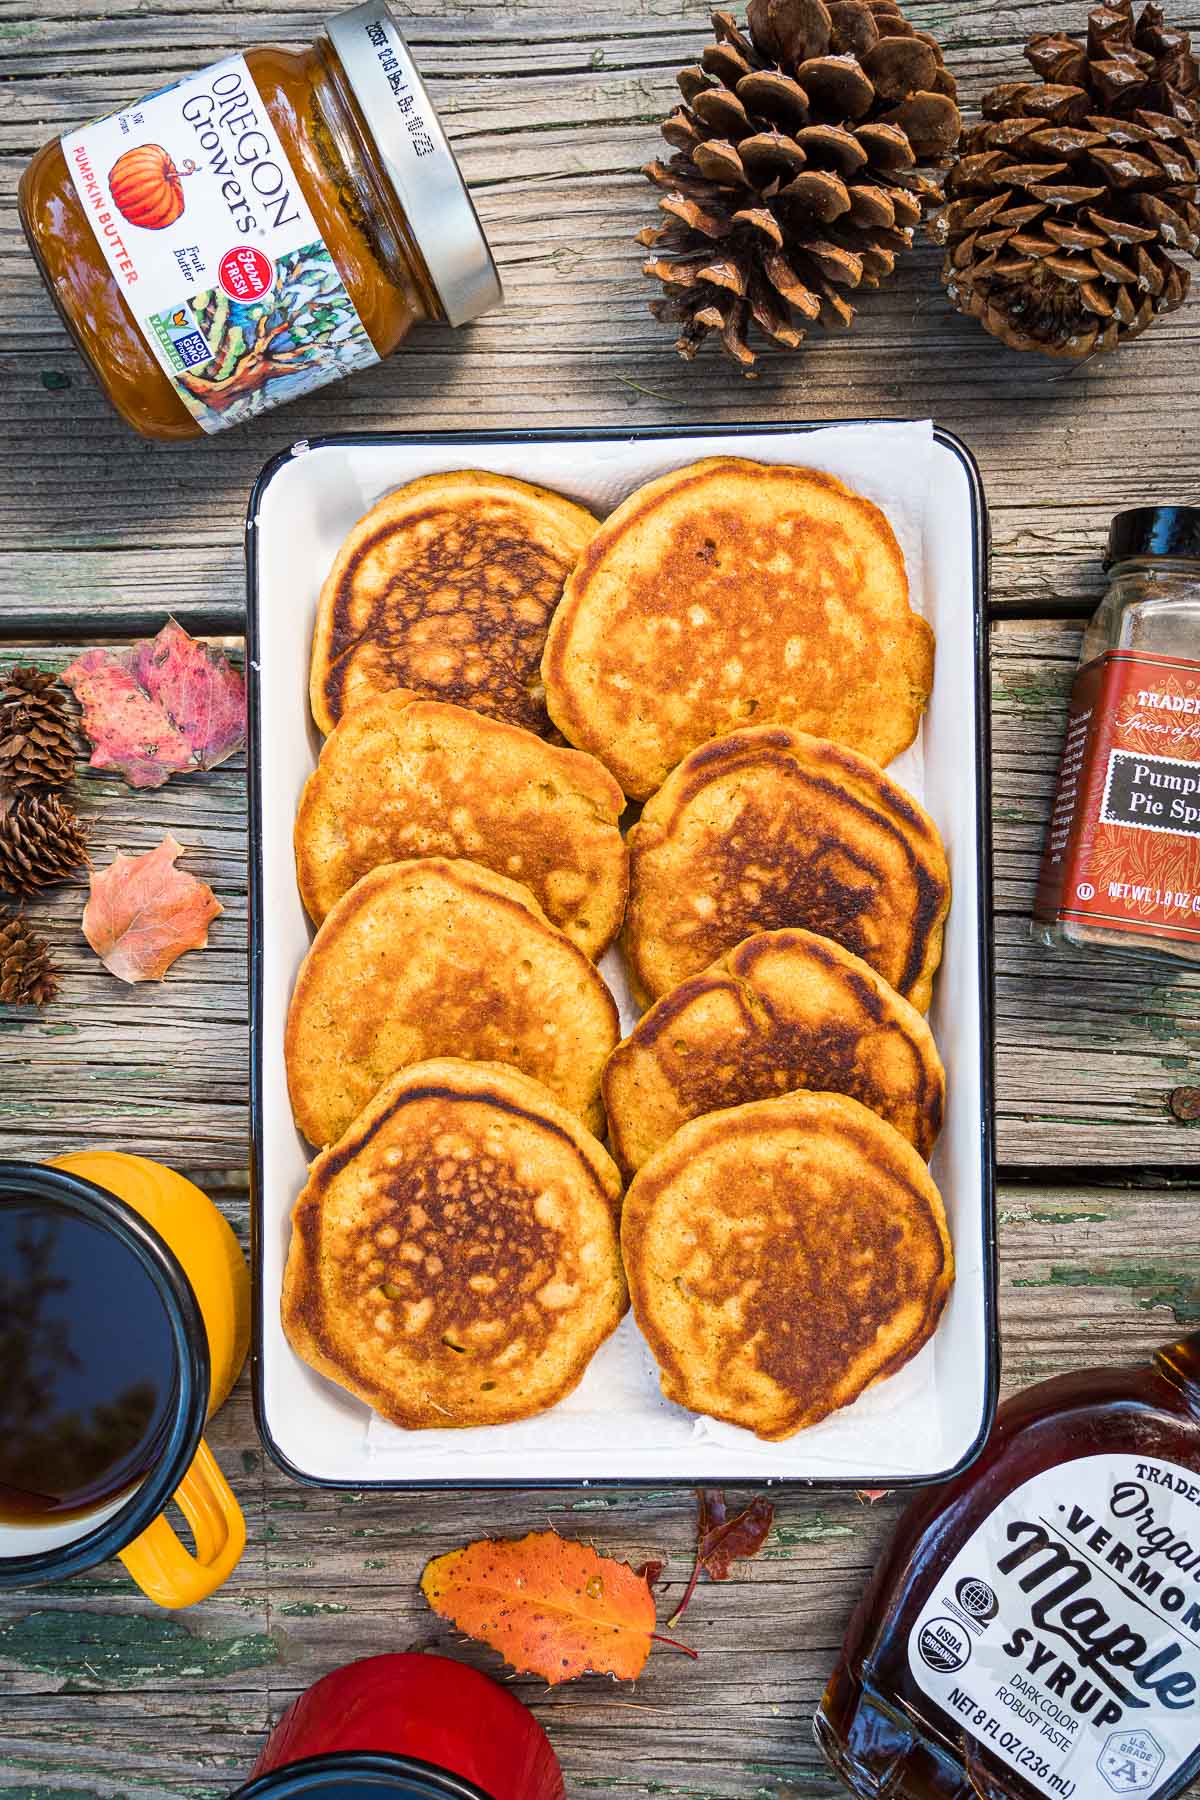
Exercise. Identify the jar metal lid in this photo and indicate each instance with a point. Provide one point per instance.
(417, 158)
(1154, 531)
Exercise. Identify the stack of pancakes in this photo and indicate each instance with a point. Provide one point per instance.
(735, 648)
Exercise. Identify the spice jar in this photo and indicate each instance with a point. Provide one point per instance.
(255, 231)
(1121, 869)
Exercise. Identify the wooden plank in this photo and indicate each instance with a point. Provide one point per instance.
(107, 1696)
(552, 115)
(552, 119)
(1088, 1048)
(1045, 560)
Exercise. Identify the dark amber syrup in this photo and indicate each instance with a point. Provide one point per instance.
(877, 1727)
(88, 1368)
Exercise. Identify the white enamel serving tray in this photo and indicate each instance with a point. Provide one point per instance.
(926, 1421)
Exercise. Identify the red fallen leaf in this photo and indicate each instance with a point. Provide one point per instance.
(143, 912)
(732, 1540)
(129, 731)
(550, 1606)
(169, 705)
(722, 1541)
(199, 690)
(871, 1495)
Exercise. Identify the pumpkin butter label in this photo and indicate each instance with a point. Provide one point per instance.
(207, 234)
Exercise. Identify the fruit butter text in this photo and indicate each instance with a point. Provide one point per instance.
(229, 133)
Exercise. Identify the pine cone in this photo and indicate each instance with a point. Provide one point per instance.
(1068, 199)
(41, 842)
(796, 173)
(37, 734)
(27, 975)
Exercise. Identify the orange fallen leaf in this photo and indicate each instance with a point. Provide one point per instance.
(143, 912)
(550, 1606)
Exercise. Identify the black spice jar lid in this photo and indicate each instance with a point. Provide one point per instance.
(1154, 531)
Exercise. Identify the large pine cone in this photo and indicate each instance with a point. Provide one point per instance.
(1068, 199)
(41, 842)
(27, 975)
(797, 174)
(37, 733)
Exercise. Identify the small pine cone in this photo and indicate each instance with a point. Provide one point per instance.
(1067, 201)
(41, 842)
(27, 975)
(37, 732)
(797, 175)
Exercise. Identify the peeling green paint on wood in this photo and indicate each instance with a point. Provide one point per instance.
(48, 1793)
(1035, 1216)
(625, 1500)
(818, 1528)
(117, 1650)
(310, 1609)
(1150, 1286)
(1035, 688)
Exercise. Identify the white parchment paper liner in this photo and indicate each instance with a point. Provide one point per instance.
(619, 1405)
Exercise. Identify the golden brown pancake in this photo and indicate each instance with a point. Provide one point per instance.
(439, 958)
(454, 1257)
(782, 1256)
(447, 587)
(401, 777)
(731, 593)
(784, 1010)
(768, 828)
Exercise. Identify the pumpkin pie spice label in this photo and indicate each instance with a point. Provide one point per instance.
(204, 227)
(1123, 850)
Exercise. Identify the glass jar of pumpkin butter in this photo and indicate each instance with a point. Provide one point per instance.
(1121, 868)
(255, 231)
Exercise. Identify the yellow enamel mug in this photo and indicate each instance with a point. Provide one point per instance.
(190, 1255)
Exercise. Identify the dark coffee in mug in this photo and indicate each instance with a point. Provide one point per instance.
(87, 1365)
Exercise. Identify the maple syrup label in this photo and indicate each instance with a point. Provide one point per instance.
(1064, 1637)
(1123, 848)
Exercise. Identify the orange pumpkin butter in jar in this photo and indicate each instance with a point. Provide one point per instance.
(257, 230)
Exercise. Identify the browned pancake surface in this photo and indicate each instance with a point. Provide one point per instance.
(784, 1010)
(401, 777)
(454, 1258)
(769, 828)
(733, 592)
(782, 1256)
(447, 587)
(434, 957)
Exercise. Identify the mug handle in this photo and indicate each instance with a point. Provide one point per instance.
(160, 1563)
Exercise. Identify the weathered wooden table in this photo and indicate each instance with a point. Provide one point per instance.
(552, 112)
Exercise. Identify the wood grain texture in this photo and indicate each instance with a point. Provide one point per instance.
(1089, 1048)
(106, 1696)
(553, 110)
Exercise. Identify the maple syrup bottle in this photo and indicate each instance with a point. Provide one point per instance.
(1034, 1628)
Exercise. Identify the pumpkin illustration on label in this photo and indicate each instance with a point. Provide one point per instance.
(147, 187)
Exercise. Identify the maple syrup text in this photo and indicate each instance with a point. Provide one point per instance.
(1070, 1614)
